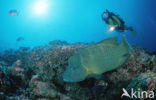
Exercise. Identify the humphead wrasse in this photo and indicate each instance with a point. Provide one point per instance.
(96, 59)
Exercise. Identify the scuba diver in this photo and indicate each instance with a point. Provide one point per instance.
(114, 22)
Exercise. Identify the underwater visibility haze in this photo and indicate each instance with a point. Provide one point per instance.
(40, 21)
(77, 49)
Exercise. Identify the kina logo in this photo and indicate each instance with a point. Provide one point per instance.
(137, 94)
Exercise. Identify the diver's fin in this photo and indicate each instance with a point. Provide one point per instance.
(132, 30)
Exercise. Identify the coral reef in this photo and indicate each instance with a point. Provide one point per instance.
(144, 82)
(36, 74)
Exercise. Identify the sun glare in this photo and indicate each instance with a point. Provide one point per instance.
(40, 7)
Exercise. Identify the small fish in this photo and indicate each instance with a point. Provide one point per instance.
(19, 39)
(13, 13)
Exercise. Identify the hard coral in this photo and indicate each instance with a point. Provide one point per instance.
(43, 67)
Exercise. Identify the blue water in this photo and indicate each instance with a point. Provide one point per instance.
(75, 21)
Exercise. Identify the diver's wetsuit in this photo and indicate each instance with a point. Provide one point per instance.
(120, 24)
(114, 20)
